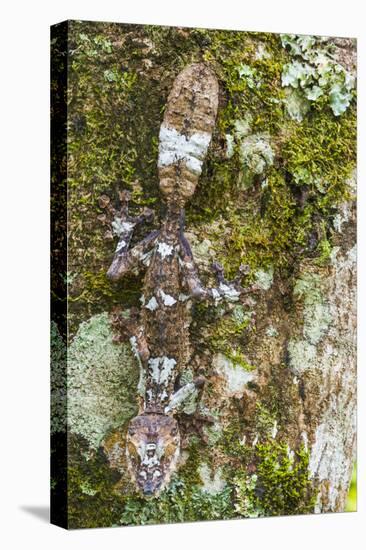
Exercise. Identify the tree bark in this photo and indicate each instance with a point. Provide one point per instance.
(277, 192)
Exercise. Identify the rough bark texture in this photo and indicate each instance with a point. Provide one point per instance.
(277, 192)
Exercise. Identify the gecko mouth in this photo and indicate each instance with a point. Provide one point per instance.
(150, 481)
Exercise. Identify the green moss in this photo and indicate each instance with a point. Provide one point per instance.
(351, 504)
(274, 224)
(227, 334)
(184, 500)
(112, 145)
(265, 421)
(189, 471)
(93, 499)
(119, 79)
(176, 504)
(231, 441)
(280, 485)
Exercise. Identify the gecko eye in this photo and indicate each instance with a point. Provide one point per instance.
(174, 431)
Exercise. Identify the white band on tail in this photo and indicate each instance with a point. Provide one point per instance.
(174, 146)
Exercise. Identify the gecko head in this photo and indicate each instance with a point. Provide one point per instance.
(153, 444)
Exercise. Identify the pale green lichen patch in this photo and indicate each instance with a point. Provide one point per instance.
(302, 355)
(264, 279)
(315, 73)
(236, 378)
(212, 482)
(271, 331)
(256, 153)
(317, 317)
(316, 322)
(190, 404)
(87, 489)
(102, 381)
(213, 433)
(297, 105)
(250, 75)
(254, 150)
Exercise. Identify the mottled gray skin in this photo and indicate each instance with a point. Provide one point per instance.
(160, 334)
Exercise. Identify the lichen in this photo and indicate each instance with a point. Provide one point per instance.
(102, 381)
(264, 279)
(315, 73)
(273, 209)
(316, 317)
(213, 482)
(302, 355)
(316, 313)
(271, 331)
(236, 378)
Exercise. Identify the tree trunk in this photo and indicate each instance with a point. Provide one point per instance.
(277, 192)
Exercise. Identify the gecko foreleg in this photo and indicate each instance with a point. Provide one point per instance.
(123, 226)
(230, 291)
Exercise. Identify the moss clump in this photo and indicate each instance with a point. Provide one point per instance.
(265, 421)
(280, 485)
(231, 442)
(178, 503)
(227, 336)
(295, 174)
(184, 500)
(93, 499)
(118, 73)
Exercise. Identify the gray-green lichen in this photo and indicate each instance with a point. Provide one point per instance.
(267, 181)
(235, 376)
(264, 279)
(271, 331)
(102, 381)
(302, 355)
(297, 105)
(213, 482)
(317, 318)
(255, 151)
(309, 288)
(315, 73)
